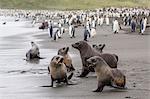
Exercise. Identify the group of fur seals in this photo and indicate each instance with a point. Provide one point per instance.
(106, 76)
(86, 51)
(93, 60)
(104, 64)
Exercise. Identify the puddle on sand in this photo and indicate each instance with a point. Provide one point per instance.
(12, 62)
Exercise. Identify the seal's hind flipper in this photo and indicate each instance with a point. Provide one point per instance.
(116, 86)
(47, 86)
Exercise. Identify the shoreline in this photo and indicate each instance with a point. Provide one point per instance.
(25, 81)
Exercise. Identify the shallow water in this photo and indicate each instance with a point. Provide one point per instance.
(14, 43)
(15, 40)
(12, 28)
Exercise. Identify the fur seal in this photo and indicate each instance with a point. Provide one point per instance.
(67, 59)
(58, 70)
(106, 76)
(33, 53)
(100, 48)
(86, 51)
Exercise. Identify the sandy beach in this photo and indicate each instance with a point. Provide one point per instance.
(21, 80)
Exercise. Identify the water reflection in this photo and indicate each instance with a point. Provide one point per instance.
(33, 61)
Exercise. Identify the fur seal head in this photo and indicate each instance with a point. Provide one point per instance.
(33, 44)
(63, 51)
(94, 61)
(57, 60)
(80, 45)
(99, 47)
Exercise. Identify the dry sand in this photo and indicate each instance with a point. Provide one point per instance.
(25, 82)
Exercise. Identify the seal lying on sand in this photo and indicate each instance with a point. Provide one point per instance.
(106, 76)
(99, 47)
(58, 70)
(33, 52)
(86, 51)
(67, 59)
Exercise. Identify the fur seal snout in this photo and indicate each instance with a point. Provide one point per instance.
(106, 76)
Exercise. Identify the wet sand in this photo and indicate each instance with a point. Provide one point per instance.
(22, 80)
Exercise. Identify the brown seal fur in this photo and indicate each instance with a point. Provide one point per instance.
(106, 76)
(86, 51)
(67, 59)
(58, 70)
(33, 53)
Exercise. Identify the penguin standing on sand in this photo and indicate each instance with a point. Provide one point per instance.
(101, 20)
(56, 30)
(50, 30)
(98, 20)
(60, 32)
(88, 28)
(107, 20)
(86, 33)
(133, 24)
(115, 26)
(93, 28)
(71, 31)
(143, 23)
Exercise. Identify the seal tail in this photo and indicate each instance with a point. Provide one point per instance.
(118, 87)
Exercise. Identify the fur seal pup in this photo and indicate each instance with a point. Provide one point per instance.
(33, 52)
(99, 47)
(58, 70)
(106, 76)
(67, 59)
(86, 51)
